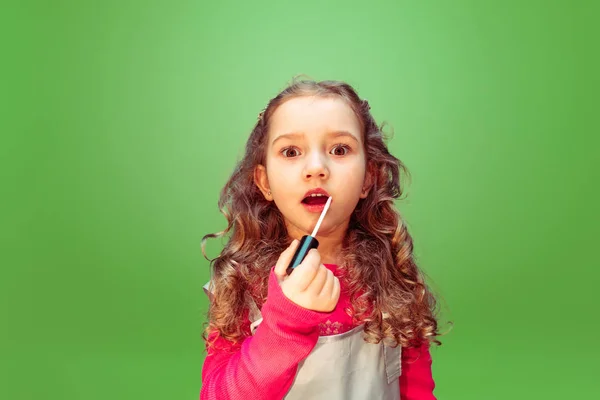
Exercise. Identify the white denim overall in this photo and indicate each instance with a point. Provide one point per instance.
(344, 367)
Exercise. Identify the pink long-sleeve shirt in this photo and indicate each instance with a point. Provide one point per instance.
(265, 364)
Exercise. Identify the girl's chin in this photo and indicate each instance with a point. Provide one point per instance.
(298, 229)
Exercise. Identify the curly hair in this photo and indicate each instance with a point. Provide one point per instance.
(387, 290)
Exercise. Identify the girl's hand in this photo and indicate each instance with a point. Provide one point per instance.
(312, 285)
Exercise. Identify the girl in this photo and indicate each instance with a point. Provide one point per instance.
(355, 319)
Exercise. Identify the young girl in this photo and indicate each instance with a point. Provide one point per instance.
(355, 319)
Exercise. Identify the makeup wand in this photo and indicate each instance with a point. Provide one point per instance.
(308, 242)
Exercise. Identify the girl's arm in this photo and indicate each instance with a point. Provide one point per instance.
(265, 365)
(416, 381)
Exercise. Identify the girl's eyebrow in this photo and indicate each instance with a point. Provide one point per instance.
(347, 134)
(334, 134)
(287, 136)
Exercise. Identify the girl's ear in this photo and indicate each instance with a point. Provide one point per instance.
(369, 180)
(262, 182)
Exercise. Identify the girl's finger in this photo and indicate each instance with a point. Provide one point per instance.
(327, 286)
(284, 260)
(335, 295)
(319, 281)
(305, 272)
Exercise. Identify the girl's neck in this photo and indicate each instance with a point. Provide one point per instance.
(330, 249)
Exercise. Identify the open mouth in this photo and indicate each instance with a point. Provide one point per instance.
(315, 199)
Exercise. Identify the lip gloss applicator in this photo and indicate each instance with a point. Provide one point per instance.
(308, 242)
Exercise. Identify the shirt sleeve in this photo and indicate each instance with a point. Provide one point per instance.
(264, 366)
(416, 381)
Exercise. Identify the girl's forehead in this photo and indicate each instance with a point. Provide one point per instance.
(313, 115)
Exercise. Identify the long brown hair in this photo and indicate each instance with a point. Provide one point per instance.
(378, 269)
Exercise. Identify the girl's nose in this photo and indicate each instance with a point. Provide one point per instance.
(316, 166)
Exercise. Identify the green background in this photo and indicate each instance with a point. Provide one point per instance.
(121, 121)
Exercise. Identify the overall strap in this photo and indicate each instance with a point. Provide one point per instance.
(254, 313)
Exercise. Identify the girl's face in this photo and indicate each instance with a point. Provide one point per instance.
(314, 145)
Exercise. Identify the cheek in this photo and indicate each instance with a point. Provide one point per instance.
(279, 174)
(279, 165)
(354, 175)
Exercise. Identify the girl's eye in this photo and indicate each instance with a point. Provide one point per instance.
(340, 150)
(290, 152)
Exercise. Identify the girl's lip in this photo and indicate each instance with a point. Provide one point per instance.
(316, 191)
(314, 208)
